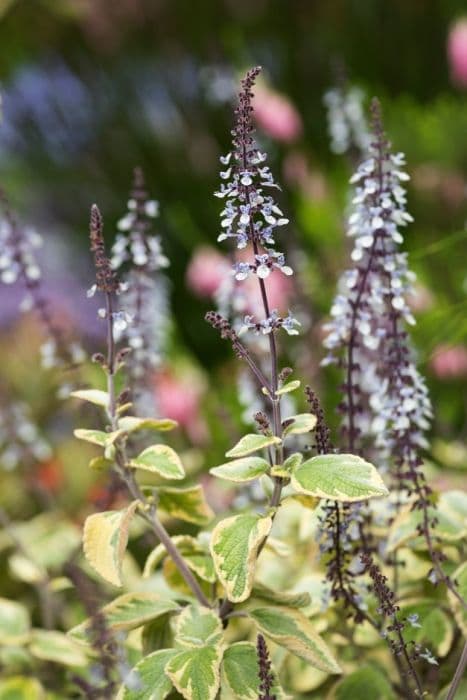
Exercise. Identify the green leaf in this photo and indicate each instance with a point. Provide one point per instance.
(450, 513)
(49, 539)
(160, 459)
(240, 470)
(57, 647)
(367, 682)
(95, 396)
(105, 538)
(128, 612)
(234, 547)
(435, 629)
(197, 625)
(14, 622)
(339, 477)
(252, 443)
(100, 463)
(155, 684)
(157, 634)
(186, 504)
(301, 423)
(293, 461)
(196, 556)
(290, 386)
(98, 437)
(131, 424)
(459, 577)
(291, 629)
(195, 672)
(240, 670)
(21, 688)
(291, 600)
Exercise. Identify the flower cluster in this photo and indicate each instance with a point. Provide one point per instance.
(375, 289)
(107, 281)
(393, 631)
(18, 262)
(346, 121)
(250, 215)
(138, 253)
(266, 677)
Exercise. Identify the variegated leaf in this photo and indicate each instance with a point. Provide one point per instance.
(195, 672)
(240, 671)
(290, 386)
(14, 622)
(131, 424)
(128, 612)
(187, 504)
(339, 477)
(54, 646)
(197, 625)
(105, 538)
(95, 396)
(98, 437)
(301, 423)
(241, 470)
(160, 459)
(234, 547)
(252, 443)
(290, 628)
(154, 684)
(196, 556)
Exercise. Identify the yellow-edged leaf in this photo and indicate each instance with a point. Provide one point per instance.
(160, 459)
(154, 684)
(290, 628)
(131, 424)
(128, 612)
(301, 423)
(234, 547)
(339, 477)
(241, 470)
(252, 443)
(105, 538)
(95, 396)
(187, 504)
(197, 625)
(195, 672)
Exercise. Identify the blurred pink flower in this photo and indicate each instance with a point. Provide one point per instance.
(206, 271)
(276, 115)
(449, 362)
(179, 398)
(457, 52)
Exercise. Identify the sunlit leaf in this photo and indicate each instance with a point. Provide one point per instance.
(54, 646)
(160, 459)
(105, 538)
(128, 612)
(21, 688)
(131, 424)
(252, 443)
(234, 546)
(95, 396)
(291, 600)
(301, 423)
(14, 622)
(243, 469)
(340, 477)
(98, 437)
(290, 628)
(290, 386)
(187, 504)
(194, 553)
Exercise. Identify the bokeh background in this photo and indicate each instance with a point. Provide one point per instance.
(92, 88)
